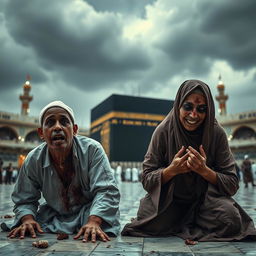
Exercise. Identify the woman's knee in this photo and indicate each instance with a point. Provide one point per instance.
(231, 219)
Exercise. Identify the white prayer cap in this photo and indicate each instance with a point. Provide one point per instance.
(59, 104)
(246, 156)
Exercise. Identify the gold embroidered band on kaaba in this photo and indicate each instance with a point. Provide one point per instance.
(127, 115)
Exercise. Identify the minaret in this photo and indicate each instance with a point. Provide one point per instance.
(26, 98)
(221, 98)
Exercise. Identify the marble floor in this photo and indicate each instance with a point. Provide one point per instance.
(127, 246)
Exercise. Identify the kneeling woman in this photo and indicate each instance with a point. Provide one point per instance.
(189, 175)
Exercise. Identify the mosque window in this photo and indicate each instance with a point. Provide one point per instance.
(7, 117)
(33, 137)
(7, 133)
(244, 133)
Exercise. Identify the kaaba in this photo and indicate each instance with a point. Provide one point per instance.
(124, 125)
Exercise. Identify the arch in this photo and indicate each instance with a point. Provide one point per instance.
(33, 137)
(7, 133)
(244, 132)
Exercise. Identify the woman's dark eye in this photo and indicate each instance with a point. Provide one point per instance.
(202, 108)
(187, 106)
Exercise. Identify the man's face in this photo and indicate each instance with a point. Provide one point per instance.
(57, 130)
(193, 111)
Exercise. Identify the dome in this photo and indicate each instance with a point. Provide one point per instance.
(220, 86)
(27, 85)
(220, 83)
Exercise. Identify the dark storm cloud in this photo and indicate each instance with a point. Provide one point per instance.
(13, 75)
(233, 23)
(130, 7)
(214, 30)
(87, 50)
(16, 61)
(78, 43)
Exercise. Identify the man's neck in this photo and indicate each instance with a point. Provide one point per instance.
(60, 159)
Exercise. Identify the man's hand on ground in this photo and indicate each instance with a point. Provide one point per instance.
(29, 225)
(92, 230)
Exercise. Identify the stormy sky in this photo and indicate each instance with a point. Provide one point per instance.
(81, 52)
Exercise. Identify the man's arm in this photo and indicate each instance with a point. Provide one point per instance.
(106, 196)
(25, 196)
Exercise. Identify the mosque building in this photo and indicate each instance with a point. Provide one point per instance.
(240, 128)
(18, 132)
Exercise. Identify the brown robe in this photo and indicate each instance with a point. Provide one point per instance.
(188, 206)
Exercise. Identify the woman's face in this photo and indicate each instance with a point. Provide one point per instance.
(193, 111)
